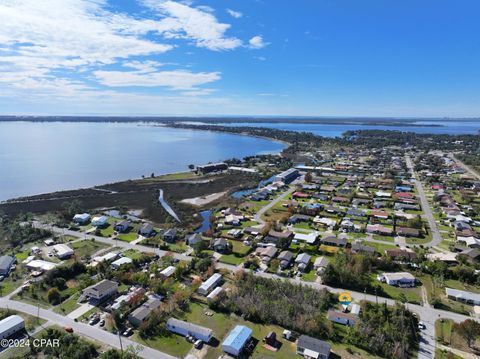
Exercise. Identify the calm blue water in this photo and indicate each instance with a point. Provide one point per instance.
(247, 192)
(45, 157)
(452, 127)
(205, 226)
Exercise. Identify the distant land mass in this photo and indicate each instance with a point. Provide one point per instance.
(380, 121)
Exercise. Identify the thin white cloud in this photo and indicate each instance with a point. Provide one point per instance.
(257, 42)
(177, 79)
(181, 21)
(235, 14)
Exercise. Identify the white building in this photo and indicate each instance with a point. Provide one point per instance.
(210, 284)
(11, 325)
(63, 251)
(215, 293)
(81, 218)
(463, 296)
(186, 328)
(168, 272)
(401, 279)
(309, 238)
(99, 221)
(40, 265)
(120, 262)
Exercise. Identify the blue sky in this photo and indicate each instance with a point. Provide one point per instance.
(240, 57)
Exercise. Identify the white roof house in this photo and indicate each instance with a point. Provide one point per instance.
(309, 238)
(63, 251)
(81, 218)
(397, 278)
(99, 221)
(106, 257)
(167, 272)
(11, 325)
(215, 293)
(121, 261)
(210, 284)
(463, 296)
(38, 264)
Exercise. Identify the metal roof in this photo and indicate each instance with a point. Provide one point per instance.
(238, 337)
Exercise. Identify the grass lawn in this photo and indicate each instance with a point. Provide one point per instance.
(443, 330)
(14, 280)
(329, 249)
(302, 225)
(87, 247)
(231, 259)
(413, 295)
(128, 237)
(310, 276)
(22, 255)
(132, 253)
(384, 238)
(68, 305)
(175, 345)
(240, 248)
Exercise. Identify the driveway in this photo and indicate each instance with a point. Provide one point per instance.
(85, 307)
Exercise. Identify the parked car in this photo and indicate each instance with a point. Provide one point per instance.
(102, 322)
(421, 325)
(68, 329)
(198, 344)
(127, 332)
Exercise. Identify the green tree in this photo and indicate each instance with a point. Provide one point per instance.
(54, 296)
(469, 330)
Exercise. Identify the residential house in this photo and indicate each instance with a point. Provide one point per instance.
(170, 235)
(81, 218)
(189, 329)
(309, 238)
(10, 326)
(210, 284)
(358, 247)
(236, 340)
(463, 296)
(285, 259)
(146, 230)
(63, 251)
(320, 264)
(99, 221)
(141, 314)
(122, 226)
(120, 262)
(401, 254)
(194, 238)
(379, 229)
(6, 263)
(302, 261)
(339, 317)
(297, 218)
(399, 279)
(266, 253)
(333, 240)
(220, 245)
(312, 348)
(408, 232)
(101, 291)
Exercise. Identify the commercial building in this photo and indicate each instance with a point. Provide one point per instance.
(287, 176)
(100, 291)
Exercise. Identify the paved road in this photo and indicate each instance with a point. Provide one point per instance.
(258, 216)
(83, 329)
(427, 211)
(464, 166)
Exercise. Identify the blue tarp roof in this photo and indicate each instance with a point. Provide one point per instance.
(238, 337)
